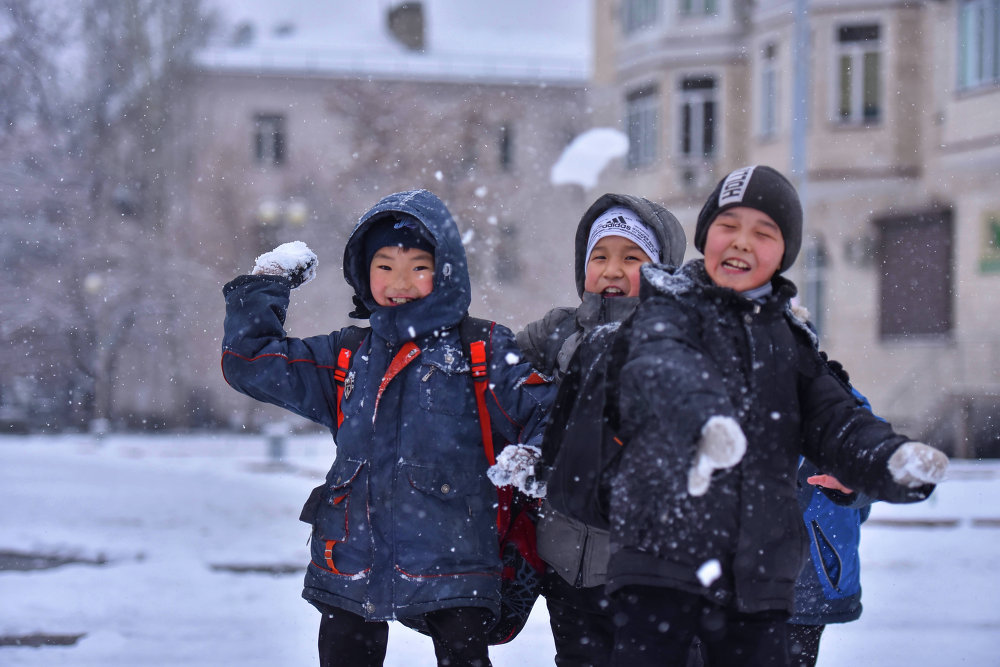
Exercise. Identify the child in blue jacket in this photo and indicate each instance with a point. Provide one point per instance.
(404, 525)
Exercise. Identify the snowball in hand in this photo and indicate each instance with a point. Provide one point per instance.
(293, 260)
(915, 464)
(722, 445)
(516, 466)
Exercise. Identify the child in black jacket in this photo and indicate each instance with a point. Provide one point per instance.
(721, 392)
(616, 235)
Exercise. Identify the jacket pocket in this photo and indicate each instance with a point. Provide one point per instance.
(578, 552)
(446, 522)
(445, 389)
(341, 537)
(830, 562)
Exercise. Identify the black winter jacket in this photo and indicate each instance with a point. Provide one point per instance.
(696, 351)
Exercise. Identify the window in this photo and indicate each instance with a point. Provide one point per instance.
(641, 126)
(506, 144)
(858, 71)
(814, 294)
(269, 139)
(915, 274)
(697, 116)
(702, 7)
(978, 43)
(769, 91)
(638, 14)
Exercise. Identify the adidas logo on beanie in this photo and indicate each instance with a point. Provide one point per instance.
(762, 188)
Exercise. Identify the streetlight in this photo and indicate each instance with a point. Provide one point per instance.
(275, 216)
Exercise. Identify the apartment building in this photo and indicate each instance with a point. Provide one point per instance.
(886, 115)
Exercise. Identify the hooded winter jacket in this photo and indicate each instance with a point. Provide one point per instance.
(572, 531)
(406, 521)
(549, 342)
(696, 351)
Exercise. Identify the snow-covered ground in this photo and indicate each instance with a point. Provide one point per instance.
(165, 525)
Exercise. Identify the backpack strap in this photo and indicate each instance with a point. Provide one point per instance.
(351, 339)
(475, 333)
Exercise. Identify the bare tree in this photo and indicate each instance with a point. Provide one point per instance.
(88, 154)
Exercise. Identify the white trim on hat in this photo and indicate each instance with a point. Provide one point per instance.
(735, 186)
(622, 221)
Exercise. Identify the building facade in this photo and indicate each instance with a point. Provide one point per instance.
(886, 115)
(295, 144)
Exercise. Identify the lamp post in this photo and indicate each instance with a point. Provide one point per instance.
(93, 286)
(274, 216)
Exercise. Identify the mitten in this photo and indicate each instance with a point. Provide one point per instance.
(722, 445)
(516, 467)
(293, 260)
(915, 464)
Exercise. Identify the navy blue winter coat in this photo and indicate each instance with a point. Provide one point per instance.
(406, 521)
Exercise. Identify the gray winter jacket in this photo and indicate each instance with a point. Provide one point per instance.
(574, 546)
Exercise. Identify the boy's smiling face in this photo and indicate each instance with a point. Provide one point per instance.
(613, 267)
(399, 275)
(743, 248)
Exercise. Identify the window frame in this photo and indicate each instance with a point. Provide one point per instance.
(769, 122)
(859, 51)
(643, 104)
(978, 39)
(270, 143)
(638, 15)
(698, 7)
(692, 101)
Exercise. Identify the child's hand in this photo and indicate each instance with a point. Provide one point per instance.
(294, 261)
(829, 482)
(915, 464)
(516, 467)
(722, 445)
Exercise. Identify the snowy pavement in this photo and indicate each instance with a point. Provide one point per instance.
(188, 551)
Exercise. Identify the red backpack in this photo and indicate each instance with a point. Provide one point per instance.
(516, 512)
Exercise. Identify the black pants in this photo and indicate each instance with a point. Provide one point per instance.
(581, 623)
(803, 644)
(459, 635)
(658, 626)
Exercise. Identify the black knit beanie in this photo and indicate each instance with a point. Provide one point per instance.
(762, 188)
(396, 230)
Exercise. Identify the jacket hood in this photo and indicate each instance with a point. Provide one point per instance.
(669, 232)
(449, 301)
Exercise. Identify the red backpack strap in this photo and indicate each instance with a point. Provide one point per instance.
(351, 339)
(475, 333)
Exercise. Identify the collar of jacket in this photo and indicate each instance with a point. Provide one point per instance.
(596, 310)
(656, 279)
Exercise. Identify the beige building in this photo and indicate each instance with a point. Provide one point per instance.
(290, 141)
(886, 114)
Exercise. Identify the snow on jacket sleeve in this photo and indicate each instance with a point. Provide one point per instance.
(260, 361)
(520, 400)
(541, 340)
(844, 438)
(667, 373)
